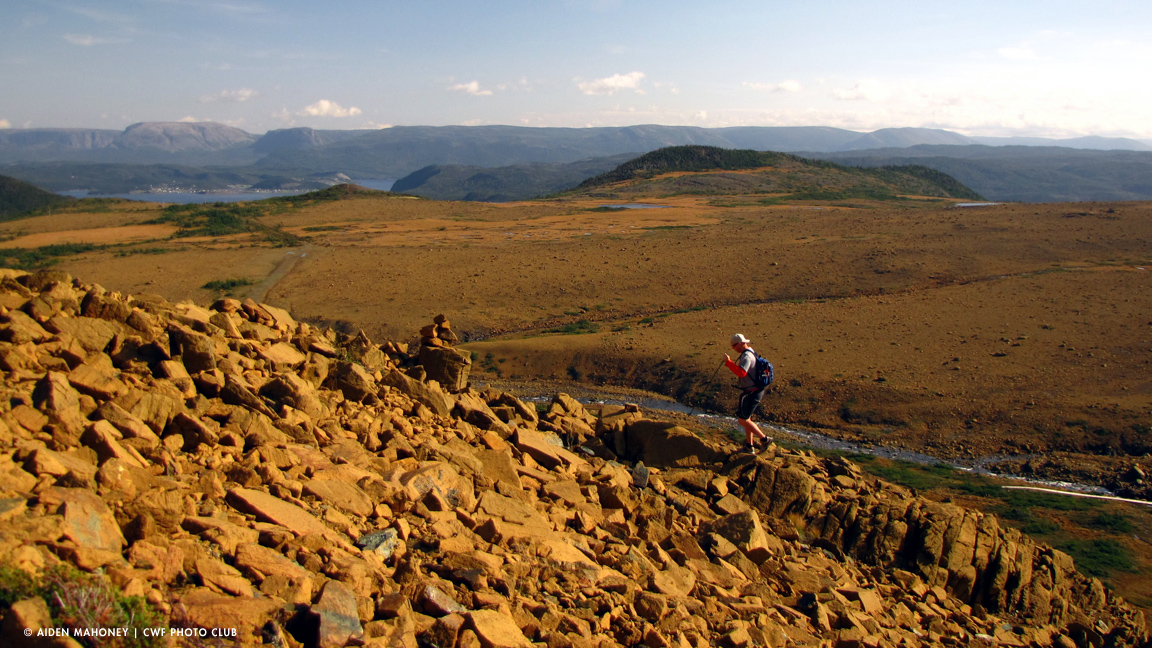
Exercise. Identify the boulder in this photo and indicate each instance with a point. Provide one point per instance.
(281, 356)
(496, 630)
(336, 616)
(104, 439)
(447, 366)
(203, 608)
(272, 509)
(548, 451)
(88, 521)
(435, 399)
(197, 350)
(442, 479)
(661, 444)
(292, 390)
(352, 380)
(55, 396)
(744, 531)
(93, 334)
(23, 622)
(341, 494)
(98, 382)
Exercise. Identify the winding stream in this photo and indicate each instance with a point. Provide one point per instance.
(591, 395)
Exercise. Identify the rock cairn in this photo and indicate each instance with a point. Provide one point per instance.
(239, 469)
(447, 366)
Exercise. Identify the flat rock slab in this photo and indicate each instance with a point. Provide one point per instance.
(89, 522)
(507, 518)
(341, 494)
(545, 452)
(496, 630)
(216, 575)
(275, 510)
(253, 558)
(206, 609)
(282, 356)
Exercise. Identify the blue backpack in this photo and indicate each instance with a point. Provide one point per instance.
(762, 373)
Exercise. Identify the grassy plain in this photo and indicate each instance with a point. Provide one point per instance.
(1021, 332)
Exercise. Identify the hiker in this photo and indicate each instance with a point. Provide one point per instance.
(750, 393)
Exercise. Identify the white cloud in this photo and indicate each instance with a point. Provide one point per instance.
(284, 117)
(88, 40)
(863, 90)
(4, 123)
(791, 85)
(610, 85)
(1018, 53)
(238, 95)
(190, 120)
(472, 88)
(325, 108)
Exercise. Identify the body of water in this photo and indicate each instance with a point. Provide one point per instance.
(200, 197)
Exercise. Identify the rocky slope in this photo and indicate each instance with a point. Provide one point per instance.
(241, 470)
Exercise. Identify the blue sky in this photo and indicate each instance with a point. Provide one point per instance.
(1049, 68)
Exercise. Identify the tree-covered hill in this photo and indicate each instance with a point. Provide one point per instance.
(710, 170)
(18, 198)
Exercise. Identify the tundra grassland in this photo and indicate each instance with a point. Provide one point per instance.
(1021, 332)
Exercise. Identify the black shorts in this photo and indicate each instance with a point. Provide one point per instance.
(749, 399)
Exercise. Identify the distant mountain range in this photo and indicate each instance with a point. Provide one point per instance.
(298, 156)
(1024, 173)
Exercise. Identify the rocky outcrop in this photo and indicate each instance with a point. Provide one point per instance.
(239, 469)
(444, 364)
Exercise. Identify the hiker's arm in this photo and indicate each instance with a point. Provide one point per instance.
(733, 367)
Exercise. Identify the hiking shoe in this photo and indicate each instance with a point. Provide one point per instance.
(765, 442)
(750, 449)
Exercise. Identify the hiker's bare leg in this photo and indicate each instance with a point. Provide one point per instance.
(751, 430)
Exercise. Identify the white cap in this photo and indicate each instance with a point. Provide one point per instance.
(740, 339)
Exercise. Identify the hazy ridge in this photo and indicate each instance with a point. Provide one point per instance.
(216, 157)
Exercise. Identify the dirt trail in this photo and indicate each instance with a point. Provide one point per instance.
(260, 290)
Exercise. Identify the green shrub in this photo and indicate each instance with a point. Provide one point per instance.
(1112, 522)
(1100, 557)
(575, 328)
(77, 600)
(28, 258)
(226, 285)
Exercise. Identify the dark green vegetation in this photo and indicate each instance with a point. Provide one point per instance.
(223, 219)
(501, 184)
(30, 258)
(80, 601)
(227, 286)
(19, 199)
(575, 328)
(341, 191)
(1091, 531)
(675, 159)
(751, 172)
